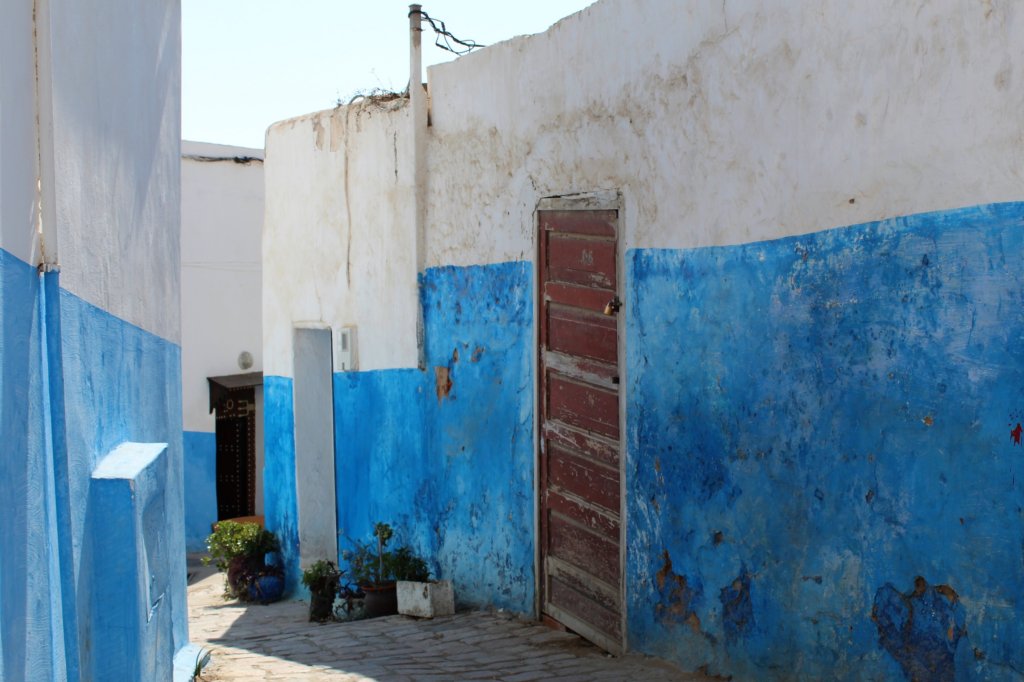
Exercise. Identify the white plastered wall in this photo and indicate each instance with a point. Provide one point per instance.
(116, 158)
(221, 222)
(18, 152)
(728, 122)
(719, 123)
(339, 234)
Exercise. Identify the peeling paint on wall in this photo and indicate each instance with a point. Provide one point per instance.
(443, 383)
(676, 596)
(737, 610)
(834, 406)
(921, 628)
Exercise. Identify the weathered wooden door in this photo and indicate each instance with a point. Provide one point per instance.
(581, 574)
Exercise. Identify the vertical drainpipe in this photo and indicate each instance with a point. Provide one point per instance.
(418, 102)
(57, 492)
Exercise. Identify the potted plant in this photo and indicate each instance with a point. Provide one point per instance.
(417, 594)
(266, 584)
(376, 572)
(422, 597)
(240, 551)
(322, 580)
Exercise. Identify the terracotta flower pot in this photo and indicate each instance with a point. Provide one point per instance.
(238, 577)
(381, 600)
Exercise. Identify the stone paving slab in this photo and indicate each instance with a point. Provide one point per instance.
(276, 642)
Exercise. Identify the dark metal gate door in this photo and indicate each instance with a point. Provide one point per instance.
(236, 455)
(579, 446)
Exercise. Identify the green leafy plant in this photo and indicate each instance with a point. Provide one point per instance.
(406, 565)
(367, 567)
(232, 539)
(322, 576)
(322, 580)
(239, 550)
(202, 659)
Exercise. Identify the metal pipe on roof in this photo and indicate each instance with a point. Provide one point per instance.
(418, 102)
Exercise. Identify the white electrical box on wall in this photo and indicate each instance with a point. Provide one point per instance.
(345, 350)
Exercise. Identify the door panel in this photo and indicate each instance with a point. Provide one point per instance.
(582, 514)
(600, 449)
(582, 260)
(602, 612)
(236, 454)
(594, 223)
(583, 297)
(577, 546)
(580, 499)
(583, 405)
(583, 478)
(582, 333)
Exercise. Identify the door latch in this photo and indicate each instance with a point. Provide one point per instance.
(613, 306)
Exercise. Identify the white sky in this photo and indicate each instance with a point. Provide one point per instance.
(249, 63)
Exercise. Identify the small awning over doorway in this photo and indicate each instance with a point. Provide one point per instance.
(221, 386)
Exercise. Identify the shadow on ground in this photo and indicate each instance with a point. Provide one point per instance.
(254, 642)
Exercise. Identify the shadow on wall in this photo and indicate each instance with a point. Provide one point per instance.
(200, 467)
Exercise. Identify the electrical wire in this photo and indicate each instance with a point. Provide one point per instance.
(443, 34)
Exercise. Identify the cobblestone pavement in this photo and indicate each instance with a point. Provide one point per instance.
(276, 642)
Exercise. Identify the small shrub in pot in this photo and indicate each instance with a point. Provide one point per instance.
(376, 572)
(322, 580)
(239, 550)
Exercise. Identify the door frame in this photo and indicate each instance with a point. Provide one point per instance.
(598, 200)
(329, 540)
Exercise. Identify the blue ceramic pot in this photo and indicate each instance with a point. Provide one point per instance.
(266, 589)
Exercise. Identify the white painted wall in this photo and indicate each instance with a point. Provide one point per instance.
(89, 129)
(730, 121)
(720, 123)
(338, 238)
(17, 131)
(221, 307)
(116, 156)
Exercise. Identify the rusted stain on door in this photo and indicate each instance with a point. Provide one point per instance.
(580, 501)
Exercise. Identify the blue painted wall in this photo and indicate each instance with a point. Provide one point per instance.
(74, 382)
(479, 325)
(381, 464)
(128, 499)
(200, 464)
(822, 471)
(31, 626)
(446, 455)
(279, 505)
(120, 383)
(449, 466)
